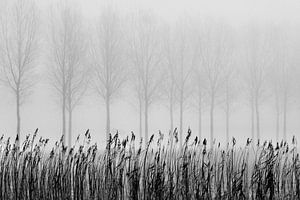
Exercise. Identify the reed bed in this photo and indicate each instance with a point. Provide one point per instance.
(159, 169)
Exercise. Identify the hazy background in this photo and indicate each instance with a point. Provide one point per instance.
(42, 111)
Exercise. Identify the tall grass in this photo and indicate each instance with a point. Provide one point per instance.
(158, 170)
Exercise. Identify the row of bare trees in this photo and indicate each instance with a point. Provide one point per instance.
(203, 63)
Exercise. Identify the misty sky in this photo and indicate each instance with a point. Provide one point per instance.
(42, 111)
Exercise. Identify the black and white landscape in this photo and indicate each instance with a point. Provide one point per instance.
(140, 99)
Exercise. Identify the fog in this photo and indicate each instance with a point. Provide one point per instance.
(221, 68)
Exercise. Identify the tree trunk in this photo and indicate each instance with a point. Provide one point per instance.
(70, 127)
(140, 119)
(146, 121)
(212, 106)
(200, 116)
(284, 116)
(277, 119)
(200, 123)
(227, 113)
(69, 106)
(227, 124)
(107, 117)
(18, 116)
(171, 114)
(257, 118)
(252, 118)
(181, 120)
(64, 118)
(277, 126)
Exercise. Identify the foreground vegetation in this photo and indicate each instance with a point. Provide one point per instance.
(157, 170)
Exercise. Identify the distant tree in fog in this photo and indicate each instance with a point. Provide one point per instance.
(18, 50)
(145, 56)
(215, 53)
(280, 78)
(230, 93)
(69, 74)
(169, 87)
(183, 65)
(257, 59)
(199, 84)
(108, 59)
(199, 94)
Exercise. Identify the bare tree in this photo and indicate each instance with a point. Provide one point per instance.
(138, 94)
(257, 61)
(199, 95)
(183, 66)
(215, 50)
(280, 74)
(145, 55)
(67, 56)
(108, 59)
(230, 94)
(198, 78)
(19, 51)
(169, 87)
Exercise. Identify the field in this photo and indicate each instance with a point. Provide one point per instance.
(158, 169)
